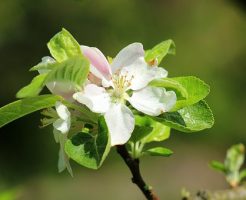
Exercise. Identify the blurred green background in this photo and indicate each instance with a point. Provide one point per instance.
(210, 37)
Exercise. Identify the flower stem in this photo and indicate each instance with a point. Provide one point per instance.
(133, 165)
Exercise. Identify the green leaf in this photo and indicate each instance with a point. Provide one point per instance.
(189, 119)
(73, 70)
(218, 166)
(63, 46)
(171, 84)
(45, 66)
(242, 174)
(90, 150)
(23, 107)
(34, 88)
(235, 157)
(86, 114)
(160, 51)
(196, 89)
(11, 194)
(158, 151)
(157, 131)
(140, 132)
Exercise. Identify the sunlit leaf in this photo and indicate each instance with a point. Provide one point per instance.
(45, 66)
(235, 157)
(63, 46)
(34, 88)
(218, 166)
(156, 131)
(11, 194)
(192, 118)
(158, 151)
(23, 107)
(74, 70)
(160, 51)
(171, 84)
(196, 89)
(140, 132)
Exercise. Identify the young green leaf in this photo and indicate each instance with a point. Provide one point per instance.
(196, 89)
(160, 51)
(23, 107)
(140, 132)
(192, 118)
(218, 166)
(73, 70)
(158, 151)
(157, 131)
(171, 84)
(34, 88)
(11, 194)
(90, 150)
(235, 157)
(63, 46)
(45, 66)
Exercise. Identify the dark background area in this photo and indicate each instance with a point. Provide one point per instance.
(211, 44)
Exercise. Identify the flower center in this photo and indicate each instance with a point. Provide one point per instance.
(121, 84)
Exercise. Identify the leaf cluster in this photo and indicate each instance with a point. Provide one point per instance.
(89, 141)
(231, 167)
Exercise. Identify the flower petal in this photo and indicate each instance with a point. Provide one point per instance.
(63, 160)
(62, 126)
(139, 73)
(62, 111)
(66, 90)
(120, 122)
(99, 64)
(127, 56)
(94, 97)
(153, 100)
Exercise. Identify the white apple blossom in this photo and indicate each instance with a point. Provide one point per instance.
(126, 79)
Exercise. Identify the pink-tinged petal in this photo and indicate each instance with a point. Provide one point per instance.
(98, 61)
(66, 90)
(127, 56)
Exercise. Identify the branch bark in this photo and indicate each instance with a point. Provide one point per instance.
(133, 165)
(238, 193)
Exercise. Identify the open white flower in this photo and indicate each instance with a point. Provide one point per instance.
(61, 129)
(129, 73)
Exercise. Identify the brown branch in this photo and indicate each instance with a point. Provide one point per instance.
(133, 165)
(238, 193)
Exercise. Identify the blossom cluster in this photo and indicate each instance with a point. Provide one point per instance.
(112, 89)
